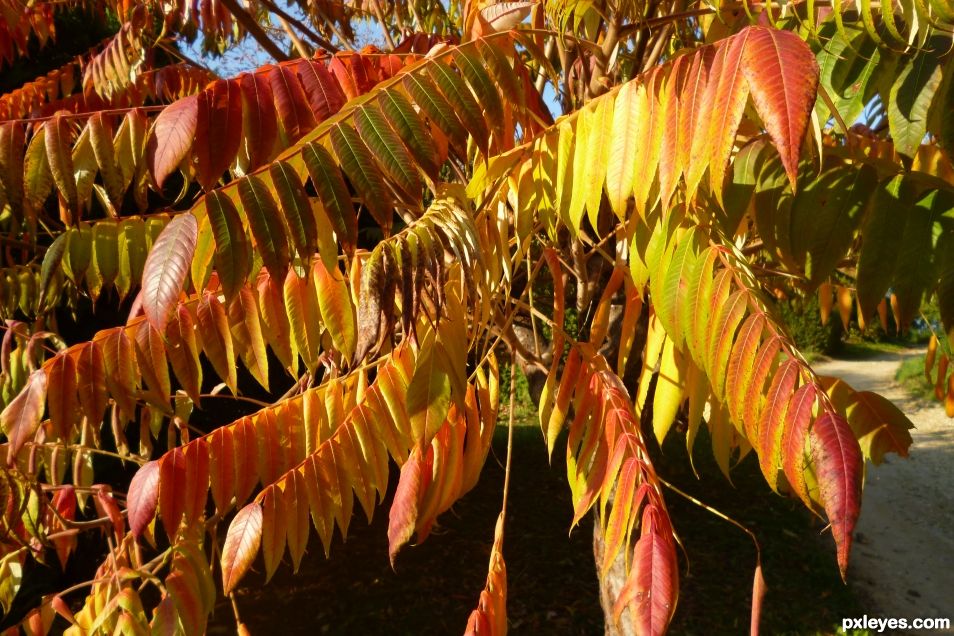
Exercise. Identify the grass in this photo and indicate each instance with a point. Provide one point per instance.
(856, 349)
(552, 585)
(911, 376)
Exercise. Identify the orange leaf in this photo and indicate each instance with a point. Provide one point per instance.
(216, 339)
(91, 376)
(183, 353)
(793, 440)
(61, 396)
(783, 77)
(773, 421)
(274, 524)
(222, 467)
(402, 518)
(241, 544)
(337, 310)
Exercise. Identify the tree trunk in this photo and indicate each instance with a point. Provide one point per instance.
(610, 586)
(613, 582)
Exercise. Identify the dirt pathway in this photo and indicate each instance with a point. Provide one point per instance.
(903, 560)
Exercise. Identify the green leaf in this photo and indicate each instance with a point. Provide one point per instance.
(411, 128)
(846, 72)
(232, 258)
(825, 215)
(38, 180)
(388, 150)
(910, 98)
(914, 272)
(428, 398)
(885, 224)
(358, 164)
(436, 108)
(106, 251)
(265, 223)
(334, 196)
(132, 258)
(58, 151)
(472, 66)
(944, 261)
(296, 210)
(462, 101)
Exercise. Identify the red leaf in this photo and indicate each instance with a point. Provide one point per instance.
(653, 581)
(218, 130)
(91, 377)
(403, 515)
(259, 120)
(197, 480)
(727, 106)
(222, 468)
(62, 400)
(293, 111)
(783, 77)
(21, 416)
(171, 137)
(106, 506)
(838, 465)
(324, 95)
(352, 74)
(172, 487)
(142, 498)
(166, 269)
(64, 502)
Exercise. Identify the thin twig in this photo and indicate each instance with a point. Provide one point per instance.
(299, 45)
(384, 25)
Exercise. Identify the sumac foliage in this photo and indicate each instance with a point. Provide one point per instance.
(364, 235)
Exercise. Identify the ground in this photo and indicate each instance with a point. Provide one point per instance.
(903, 561)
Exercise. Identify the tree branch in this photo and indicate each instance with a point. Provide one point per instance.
(255, 30)
(311, 35)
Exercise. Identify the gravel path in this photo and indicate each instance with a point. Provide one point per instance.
(903, 560)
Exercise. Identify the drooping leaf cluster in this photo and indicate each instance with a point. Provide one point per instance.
(362, 235)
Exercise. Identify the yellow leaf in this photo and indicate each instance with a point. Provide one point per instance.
(624, 146)
(670, 390)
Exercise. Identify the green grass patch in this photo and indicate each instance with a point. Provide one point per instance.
(911, 376)
(857, 349)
